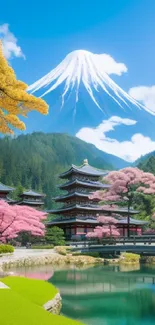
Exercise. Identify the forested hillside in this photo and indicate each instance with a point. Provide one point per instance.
(35, 160)
(148, 164)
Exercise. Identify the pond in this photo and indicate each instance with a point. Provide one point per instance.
(104, 295)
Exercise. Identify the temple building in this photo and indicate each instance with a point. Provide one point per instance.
(32, 199)
(5, 191)
(78, 213)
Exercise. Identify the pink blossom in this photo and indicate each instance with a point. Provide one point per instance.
(122, 181)
(106, 220)
(15, 219)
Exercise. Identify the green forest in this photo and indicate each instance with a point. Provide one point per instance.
(34, 161)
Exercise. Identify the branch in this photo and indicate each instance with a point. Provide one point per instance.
(9, 225)
(17, 99)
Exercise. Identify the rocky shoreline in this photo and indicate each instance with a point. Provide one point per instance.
(54, 306)
(51, 258)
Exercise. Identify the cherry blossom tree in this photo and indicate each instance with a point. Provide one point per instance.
(106, 229)
(125, 185)
(17, 218)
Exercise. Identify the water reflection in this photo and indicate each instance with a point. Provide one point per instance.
(103, 295)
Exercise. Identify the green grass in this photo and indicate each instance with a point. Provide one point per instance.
(36, 291)
(42, 246)
(22, 303)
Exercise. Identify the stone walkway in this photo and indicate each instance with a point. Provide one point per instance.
(23, 253)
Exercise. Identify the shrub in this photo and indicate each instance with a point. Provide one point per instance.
(42, 246)
(130, 258)
(6, 249)
(55, 236)
(63, 250)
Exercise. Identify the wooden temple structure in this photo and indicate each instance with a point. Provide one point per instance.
(30, 198)
(78, 214)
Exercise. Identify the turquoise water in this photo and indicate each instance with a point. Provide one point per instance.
(108, 295)
(103, 295)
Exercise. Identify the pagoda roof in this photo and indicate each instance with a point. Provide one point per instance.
(91, 207)
(94, 221)
(84, 169)
(119, 210)
(132, 222)
(85, 184)
(97, 208)
(73, 220)
(5, 188)
(71, 195)
(26, 202)
(32, 193)
(76, 207)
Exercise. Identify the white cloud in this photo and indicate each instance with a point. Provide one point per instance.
(109, 65)
(144, 94)
(128, 150)
(9, 43)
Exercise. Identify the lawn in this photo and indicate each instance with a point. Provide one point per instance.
(36, 291)
(22, 303)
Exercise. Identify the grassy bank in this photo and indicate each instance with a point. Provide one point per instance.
(22, 303)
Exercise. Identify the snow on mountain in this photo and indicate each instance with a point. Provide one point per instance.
(84, 101)
(89, 69)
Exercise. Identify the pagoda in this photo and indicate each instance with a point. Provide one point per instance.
(5, 191)
(78, 213)
(32, 199)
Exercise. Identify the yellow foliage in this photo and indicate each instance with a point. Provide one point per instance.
(14, 100)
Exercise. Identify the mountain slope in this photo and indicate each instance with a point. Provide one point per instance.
(147, 163)
(36, 160)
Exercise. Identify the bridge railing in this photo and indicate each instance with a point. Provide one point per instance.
(133, 240)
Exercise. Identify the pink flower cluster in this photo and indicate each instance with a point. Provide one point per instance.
(15, 219)
(122, 181)
(109, 230)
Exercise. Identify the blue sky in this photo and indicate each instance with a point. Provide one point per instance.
(46, 32)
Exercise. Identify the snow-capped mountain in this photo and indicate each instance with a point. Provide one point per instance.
(82, 96)
(82, 67)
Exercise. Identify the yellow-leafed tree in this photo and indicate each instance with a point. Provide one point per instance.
(14, 100)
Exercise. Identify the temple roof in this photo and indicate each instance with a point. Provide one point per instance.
(71, 195)
(85, 169)
(93, 221)
(97, 208)
(132, 222)
(32, 193)
(5, 188)
(74, 207)
(73, 220)
(119, 210)
(26, 202)
(85, 184)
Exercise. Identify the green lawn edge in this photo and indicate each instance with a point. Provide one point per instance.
(21, 304)
(36, 291)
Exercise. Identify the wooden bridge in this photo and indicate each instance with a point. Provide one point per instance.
(144, 245)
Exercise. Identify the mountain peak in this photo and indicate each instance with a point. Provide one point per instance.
(92, 71)
(78, 53)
